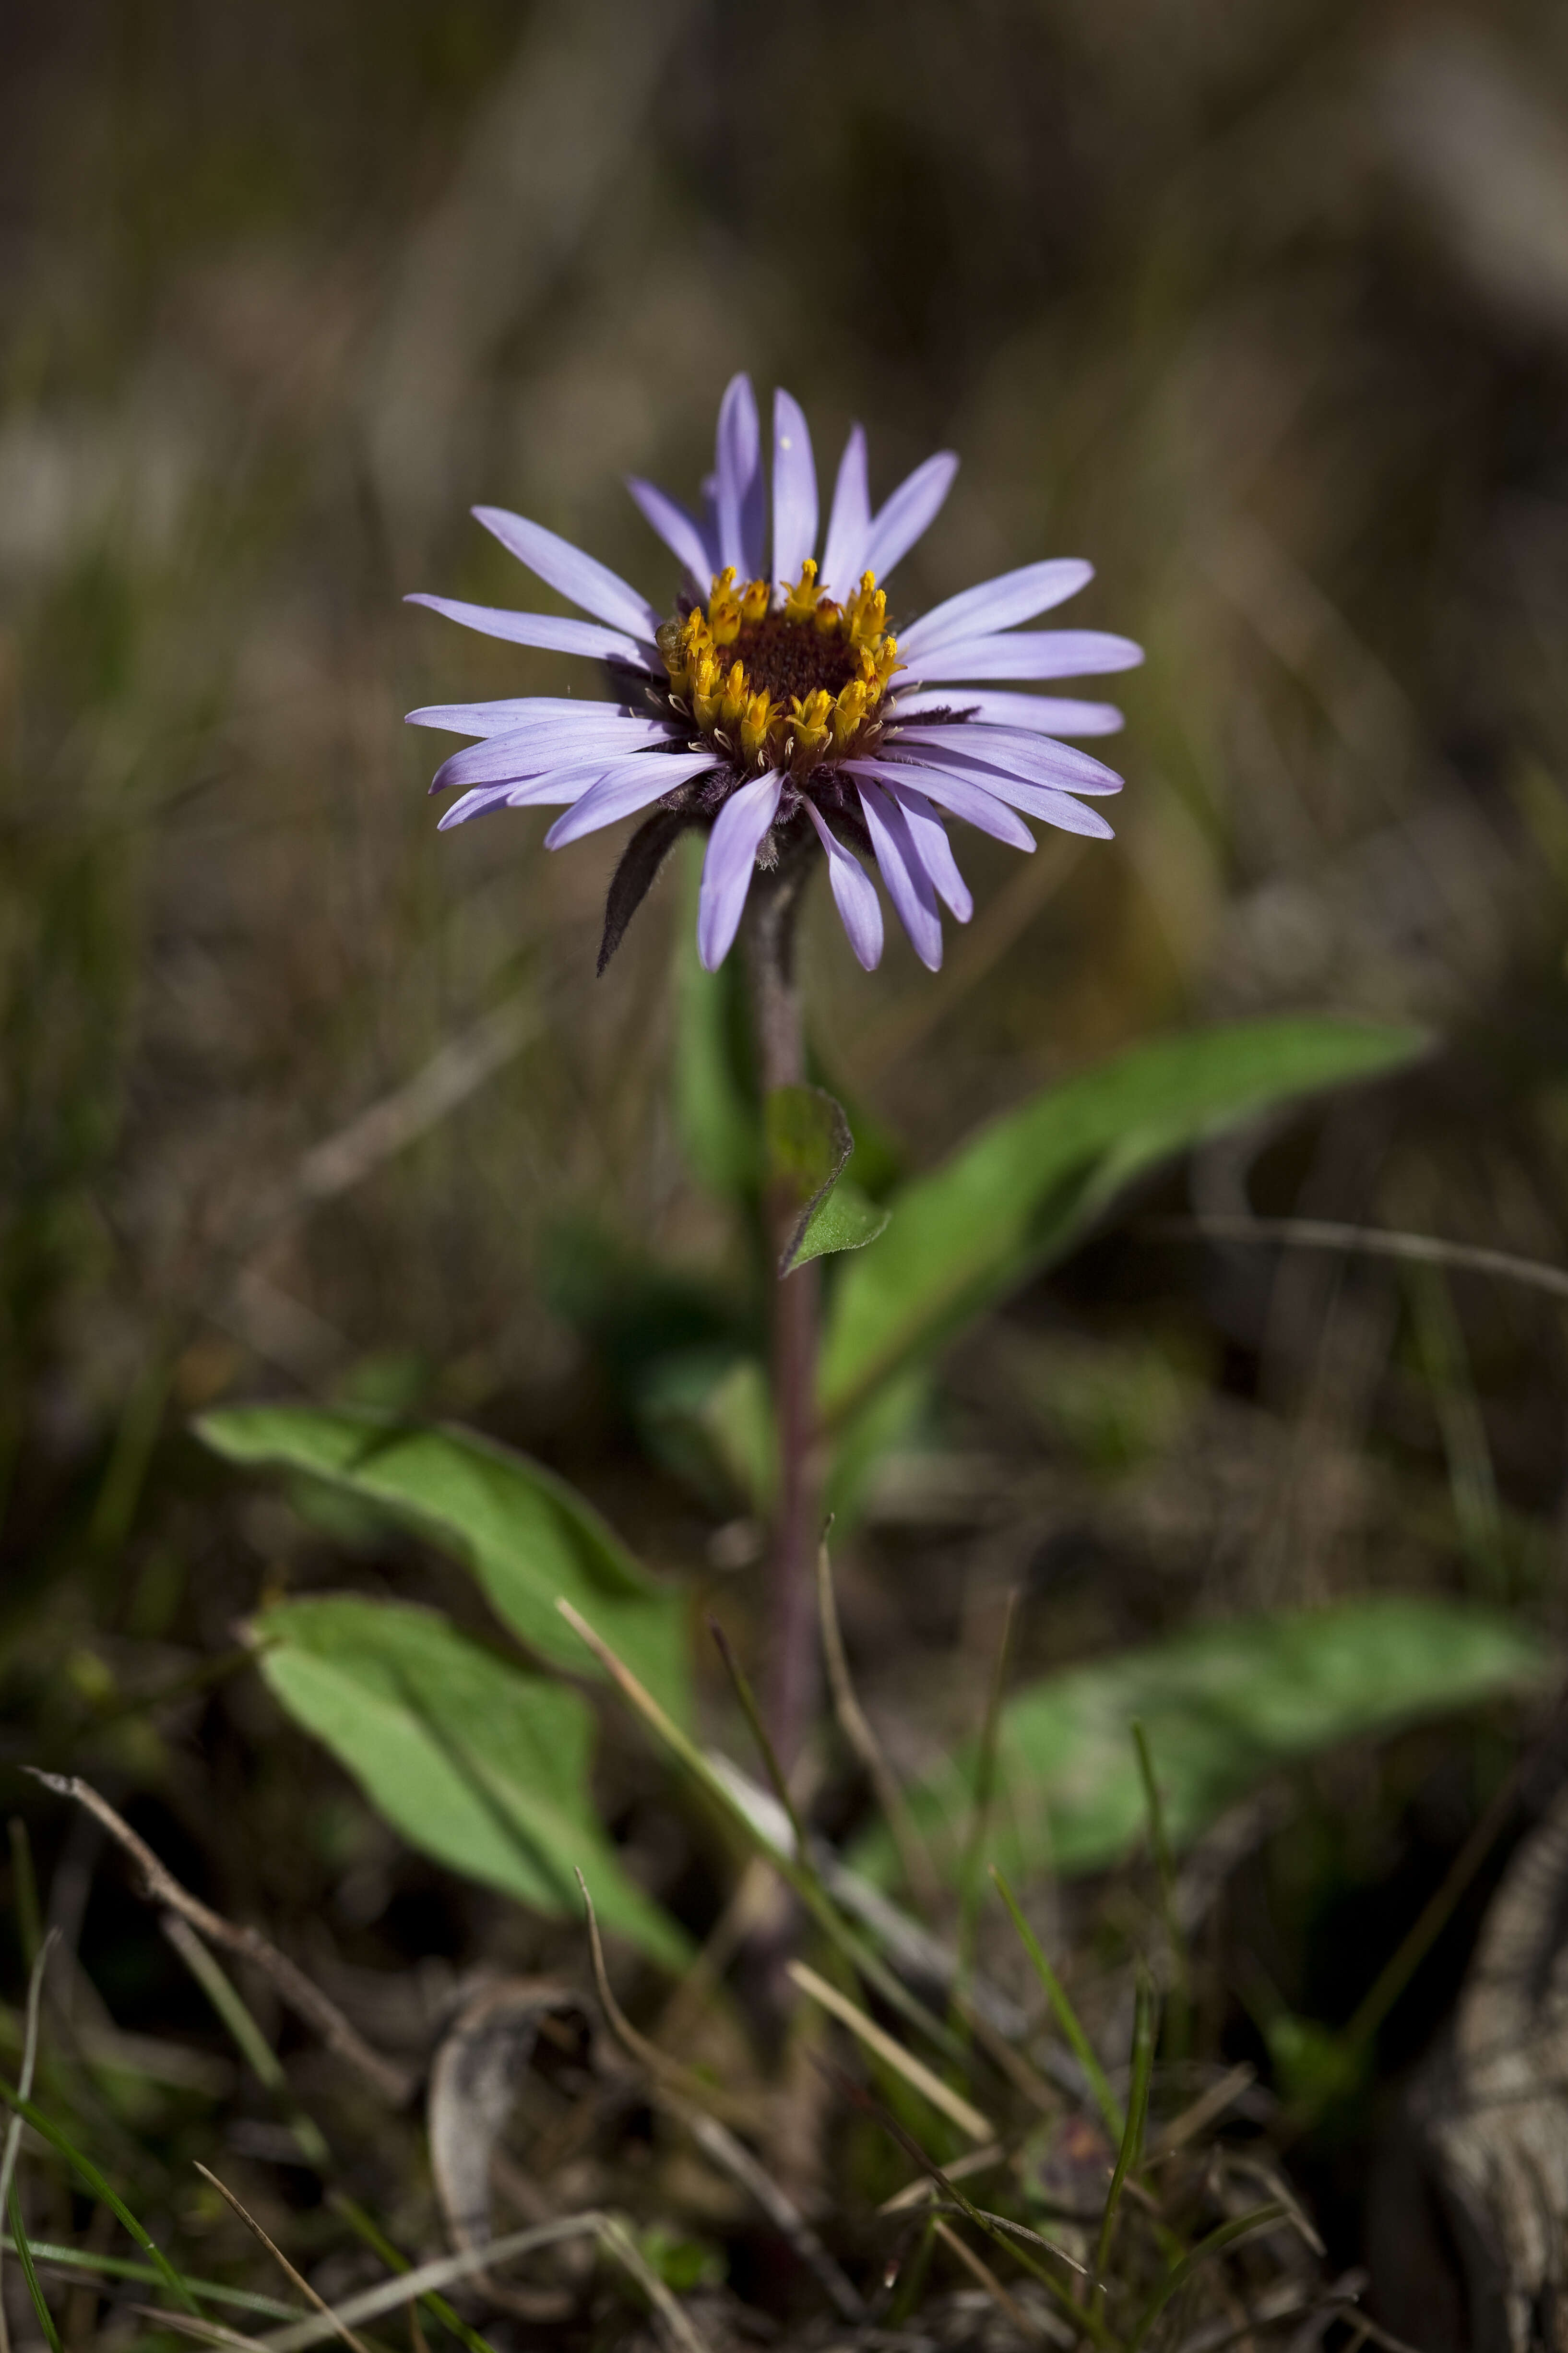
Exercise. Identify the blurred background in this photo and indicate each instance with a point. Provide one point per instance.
(1263, 309)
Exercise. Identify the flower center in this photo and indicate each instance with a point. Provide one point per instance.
(793, 684)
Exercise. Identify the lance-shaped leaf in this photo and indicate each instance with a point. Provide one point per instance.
(808, 1148)
(1026, 1188)
(636, 873)
(1221, 1707)
(478, 1762)
(523, 1532)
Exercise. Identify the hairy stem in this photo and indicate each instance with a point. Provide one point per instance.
(791, 1663)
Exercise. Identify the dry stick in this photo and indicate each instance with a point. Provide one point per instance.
(983, 2273)
(668, 2073)
(915, 1855)
(930, 2087)
(721, 2144)
(205, 2332)
(24, 2085)
(307, 2000)
(1370, 1241)
(355, 2344)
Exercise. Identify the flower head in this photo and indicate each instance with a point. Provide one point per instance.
(778, 707)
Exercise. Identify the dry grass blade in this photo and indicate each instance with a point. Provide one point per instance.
(1204, 2111)
(942, 2097)
(444, 2272)
(736, 2158)
(963, 2168)
(339, 2327)
(915, 1855)
(986, 2278)
(306, 1999)
(205, 2332)
(666, 2071)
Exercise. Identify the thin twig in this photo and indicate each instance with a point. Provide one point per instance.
(306, 1999)
(1202, 2112)
(1368, 1241)
(339, 2327)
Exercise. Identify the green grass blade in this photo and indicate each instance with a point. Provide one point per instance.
(1105, 2099)
(100, 2188)
(1132, 2146)
(120, 2267)
(1181, 2273)
(25, 2256)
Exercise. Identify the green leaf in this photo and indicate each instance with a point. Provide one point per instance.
(809, 1144)
(1221, 1707)
(844, 1221)
(482, 1765)
(525, 1534)
(1025, 1190)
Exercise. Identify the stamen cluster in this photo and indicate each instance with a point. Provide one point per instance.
(790, 685)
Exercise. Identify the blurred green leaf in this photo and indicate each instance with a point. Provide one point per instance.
(715, 1100)
(1026, 1187)
(705, 1414)
(523, 1532)
(1221, 1707)
(480, 1763)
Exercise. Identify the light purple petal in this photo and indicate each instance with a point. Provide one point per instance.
(997, 604)
(795, 489)
(903, 871)
(930, 836)
(1046, 714)
(679, 530)
(1044, 801)
(511, 716)
(539, 630)
(850, 524)
(473, 804)
(583, 579)
(965, 797)
(1029, 653)
(738, 455)
(1014, 751)
(854, 895)
(621, 791)
(732, 849)
(506, 757)
(910, 511)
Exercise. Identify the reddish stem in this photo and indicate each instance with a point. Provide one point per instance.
(792, 1659)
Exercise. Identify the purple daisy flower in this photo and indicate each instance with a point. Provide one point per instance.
(775, 707)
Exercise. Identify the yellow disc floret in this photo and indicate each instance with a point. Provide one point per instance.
(784, 677)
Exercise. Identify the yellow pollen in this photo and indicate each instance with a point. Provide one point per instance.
(782, 678)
